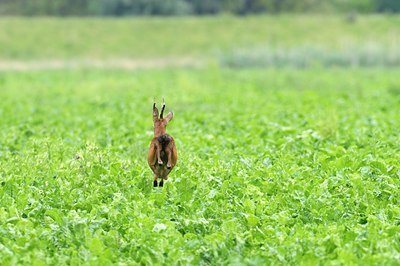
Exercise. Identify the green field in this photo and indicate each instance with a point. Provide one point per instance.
(50, 38)
(276, 165)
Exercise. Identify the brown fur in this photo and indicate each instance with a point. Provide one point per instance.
(162, 154)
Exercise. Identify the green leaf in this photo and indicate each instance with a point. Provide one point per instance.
(56, 215)
(252, 220)
(96, 246)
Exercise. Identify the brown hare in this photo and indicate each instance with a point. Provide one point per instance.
(162, 155)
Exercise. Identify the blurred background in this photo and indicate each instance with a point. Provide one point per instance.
(188, 7)
(133, 34)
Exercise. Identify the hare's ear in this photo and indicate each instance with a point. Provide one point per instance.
(169, 117)
(155, 111)
(162, 108)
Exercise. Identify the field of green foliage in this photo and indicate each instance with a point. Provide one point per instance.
(197, 37)
(274, 167)
(277, 165)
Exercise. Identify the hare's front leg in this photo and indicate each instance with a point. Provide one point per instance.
(169, 153)
(158, 151)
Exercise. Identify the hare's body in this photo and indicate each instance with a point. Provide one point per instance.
(162, 154)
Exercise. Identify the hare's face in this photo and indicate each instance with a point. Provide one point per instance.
(160, 122)
(163, 122)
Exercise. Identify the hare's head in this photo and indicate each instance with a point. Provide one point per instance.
(160, 122)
